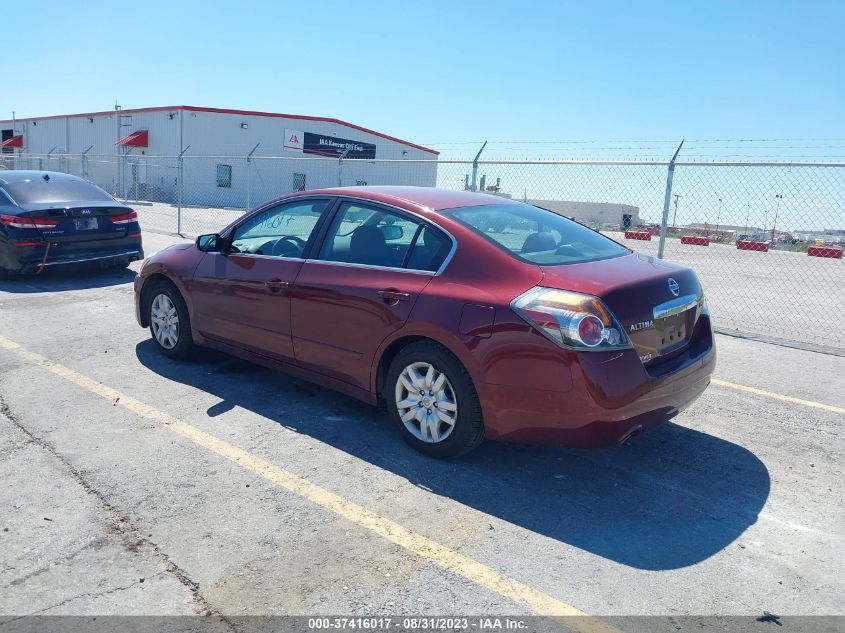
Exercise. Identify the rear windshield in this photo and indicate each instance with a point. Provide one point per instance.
(535, 235)
(37, 190)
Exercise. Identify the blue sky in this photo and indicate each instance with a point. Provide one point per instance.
(448, 72)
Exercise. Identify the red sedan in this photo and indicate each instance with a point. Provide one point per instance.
(468, 316)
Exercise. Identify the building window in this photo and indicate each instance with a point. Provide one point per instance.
(360, 183)
(224, 176)
(299, 182)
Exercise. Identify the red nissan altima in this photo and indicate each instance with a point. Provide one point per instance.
(468, 316)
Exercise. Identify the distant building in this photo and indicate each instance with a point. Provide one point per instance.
(132, 153)
(593, 213)
(743, 228)
(829, 236)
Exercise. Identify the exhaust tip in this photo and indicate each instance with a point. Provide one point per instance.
(634, 432)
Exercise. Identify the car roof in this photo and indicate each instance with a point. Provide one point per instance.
(22, 175)
(428, 197)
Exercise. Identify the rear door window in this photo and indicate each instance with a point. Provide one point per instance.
(369, 235)
(430, 250)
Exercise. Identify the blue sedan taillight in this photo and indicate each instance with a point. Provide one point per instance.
(124, 218)
(19, 222)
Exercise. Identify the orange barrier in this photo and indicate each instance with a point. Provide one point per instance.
(638, 235)
(748, 245)
(695, 240)
(833, 252)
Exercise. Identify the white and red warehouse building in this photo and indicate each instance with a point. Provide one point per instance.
(230, 157)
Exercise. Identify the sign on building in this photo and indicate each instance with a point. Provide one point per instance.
(293, 140)
(327, 145)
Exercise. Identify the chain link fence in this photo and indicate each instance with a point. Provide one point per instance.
(765, 238)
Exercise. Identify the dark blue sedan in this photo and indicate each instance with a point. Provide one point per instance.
(50, 219)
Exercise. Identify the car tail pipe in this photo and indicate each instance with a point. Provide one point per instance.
(631, 434)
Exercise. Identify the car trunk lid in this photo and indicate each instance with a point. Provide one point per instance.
(658, 303)
(81, 222)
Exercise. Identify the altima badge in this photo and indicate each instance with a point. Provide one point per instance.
(674, 288)
(642, 325)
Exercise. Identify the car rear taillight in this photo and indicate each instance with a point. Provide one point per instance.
(19, 222)
(124, 218)
(571, 320)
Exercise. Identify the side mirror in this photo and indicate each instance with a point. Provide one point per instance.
(392, 232)
(209, 243)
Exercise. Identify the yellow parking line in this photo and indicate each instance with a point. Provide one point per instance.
(420, 545)
(777, 396)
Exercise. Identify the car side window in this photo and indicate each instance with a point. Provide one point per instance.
(430, 250)
(368, 235)
(280, 231)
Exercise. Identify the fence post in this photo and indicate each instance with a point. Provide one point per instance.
(180, 190)
(475, 167)
(248, 179)
(85, 162)
(340, 166)
(180, 176)
(666, 200)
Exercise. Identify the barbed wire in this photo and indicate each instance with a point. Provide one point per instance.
(638, 141)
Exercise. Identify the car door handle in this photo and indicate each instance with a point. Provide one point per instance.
(276, 284)
(393, 296)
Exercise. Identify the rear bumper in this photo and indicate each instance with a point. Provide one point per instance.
(28, 259)
(611, 397)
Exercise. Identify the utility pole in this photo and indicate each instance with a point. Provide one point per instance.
(675, 215)
(779, 197)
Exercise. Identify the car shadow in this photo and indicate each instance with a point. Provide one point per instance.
(668, 499)
(65, 280)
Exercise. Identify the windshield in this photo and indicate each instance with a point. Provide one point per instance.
(535, 235)
(37, 190)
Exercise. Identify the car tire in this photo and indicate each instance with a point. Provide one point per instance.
(451, 397)
(164, 301)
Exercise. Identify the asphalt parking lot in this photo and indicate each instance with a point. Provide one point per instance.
(133, 484)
